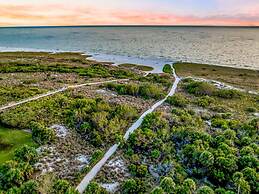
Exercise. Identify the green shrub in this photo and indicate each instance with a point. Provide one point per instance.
(205, 190)
(189, 186)
(63, 186)
(227, 93)
(168, 185)
(219, 123)
(157, 190)
(95, 188)
(251, 109)
(13, 173)
(145, 90)
(164, 79)
(138, 170)
(177, 100)
(204, 101)
(26, 154)
(220, 108)
(206, 159)
(97, 155)
(200, 88)
(167, 69)
(30, 186)
(155, 154)
(133, 186)
(42, 134)
(151, 91)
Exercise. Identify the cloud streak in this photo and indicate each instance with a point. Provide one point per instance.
(60, 14)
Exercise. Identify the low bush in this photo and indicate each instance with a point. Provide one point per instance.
(63, 186)
(177, 100)
(219, 123)
(26, 154)
(95, 188)
(164, 79)
(226, 93)
(42, 134)
(251, 109)
(133, 186)
(200, 88)
(151, 91)
(204, 101)
(145, 90)
(97, 155)
(167, 69)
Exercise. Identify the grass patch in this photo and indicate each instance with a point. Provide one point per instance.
(13, 62)
(138, 67)
(10, 140)
(243, 78)
(15, 93)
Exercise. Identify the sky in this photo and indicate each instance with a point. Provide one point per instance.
(128, 12)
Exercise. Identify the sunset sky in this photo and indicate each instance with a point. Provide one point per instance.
(112, 12)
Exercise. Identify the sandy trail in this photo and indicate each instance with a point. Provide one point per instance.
(93, 172)
(11, 105)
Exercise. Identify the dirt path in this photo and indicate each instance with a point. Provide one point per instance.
(11, 105)
(93, 172)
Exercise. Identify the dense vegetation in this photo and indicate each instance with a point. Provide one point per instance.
(206, 89)
(16, 176)
(95, 70)
(203, 140)
(96, 120)
(60, 63)
(145, 90)
(180, 152)
(17, 93)
(152, 86)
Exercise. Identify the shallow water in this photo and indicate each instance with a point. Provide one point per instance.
(238, 47)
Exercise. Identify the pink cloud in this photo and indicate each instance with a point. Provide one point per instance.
(91, 15)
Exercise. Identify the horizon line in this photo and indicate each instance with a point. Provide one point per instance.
(131, 25)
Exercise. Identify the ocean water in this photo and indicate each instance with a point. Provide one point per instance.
(237, 47)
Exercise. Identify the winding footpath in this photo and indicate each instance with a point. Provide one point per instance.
(93, 172)
(11, 105)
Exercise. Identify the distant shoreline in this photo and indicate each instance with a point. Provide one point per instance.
(137, 26)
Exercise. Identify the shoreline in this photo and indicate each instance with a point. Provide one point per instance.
(156, 63)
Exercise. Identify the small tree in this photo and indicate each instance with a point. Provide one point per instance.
(95, 188)
(61, 187)
(206, 159)
(252, 177)
(168, 185)
(167, 69)
(26, 154)
(205, 190)
(130, 186)
(189, 186)
(42, 134)
(177, 100)
(241, 184)
(157, 190)
(30, 186)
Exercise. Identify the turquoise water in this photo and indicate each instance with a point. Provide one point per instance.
(238, 47)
